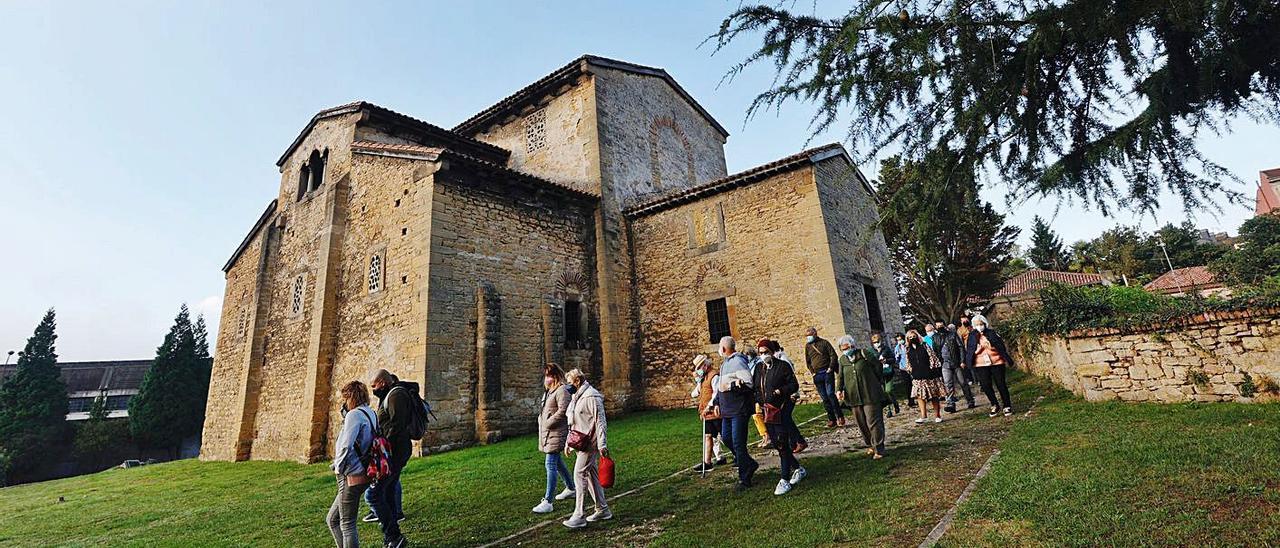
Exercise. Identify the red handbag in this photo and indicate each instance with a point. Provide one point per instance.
(606, 472)
(772, 414)
(579, 441)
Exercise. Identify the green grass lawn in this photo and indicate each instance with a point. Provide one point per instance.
(1072, 473)
(1131, 474)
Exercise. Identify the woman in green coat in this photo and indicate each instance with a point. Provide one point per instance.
(859, 385)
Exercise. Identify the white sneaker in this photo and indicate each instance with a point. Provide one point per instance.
(566, 494)
(575, 522)
(601, 515)
(543, 507)
(1008, 411)
(798, 475)
(919, 421)
(937, 419)
(783, 487)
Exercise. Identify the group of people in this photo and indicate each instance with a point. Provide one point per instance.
(758, 385)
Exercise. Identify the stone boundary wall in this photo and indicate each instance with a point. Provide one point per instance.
(1205, 357)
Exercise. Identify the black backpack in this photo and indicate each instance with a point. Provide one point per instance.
(420, 414)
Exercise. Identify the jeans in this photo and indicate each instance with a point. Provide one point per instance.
(780, 435)
(555, 465)
(952, 377)
(733, 430)
(384, 497)
(825, 382)
(343, 513)
(789, 420)
(993, 374)
(586, 468)
(396, 493)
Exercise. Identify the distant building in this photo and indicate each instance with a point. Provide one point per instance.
(1193, 279)
(1268, 191)
(118, 380)
(1024, 289)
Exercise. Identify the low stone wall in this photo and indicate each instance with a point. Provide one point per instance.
(1207, 357)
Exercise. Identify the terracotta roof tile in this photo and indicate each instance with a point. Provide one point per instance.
(1036, 279)
(1181, 280)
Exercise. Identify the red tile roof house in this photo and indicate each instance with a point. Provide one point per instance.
(1268, 199)
(1193, 279)
(1024, 289)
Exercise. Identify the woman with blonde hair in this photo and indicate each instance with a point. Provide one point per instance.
(587, 422)
(553, 433)
(359, 423)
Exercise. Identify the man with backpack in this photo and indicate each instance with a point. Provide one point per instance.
(401, 419)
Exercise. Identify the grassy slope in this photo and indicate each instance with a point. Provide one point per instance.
(1132, 474)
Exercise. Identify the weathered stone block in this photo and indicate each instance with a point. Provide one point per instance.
(1093, 370)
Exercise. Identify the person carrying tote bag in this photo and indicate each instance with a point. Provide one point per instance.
(588, 436)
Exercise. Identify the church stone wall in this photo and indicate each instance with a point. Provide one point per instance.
(388, 217)
(858, 251)
(227, 385)
(770, 262)
(529, 249)
(556, 141)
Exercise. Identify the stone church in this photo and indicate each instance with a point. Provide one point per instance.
(586, 219)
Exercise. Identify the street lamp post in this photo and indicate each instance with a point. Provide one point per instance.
(9, 357)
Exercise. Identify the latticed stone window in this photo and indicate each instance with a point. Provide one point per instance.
(295, 306)
(375, 273)
(244, 321)
(535, 131)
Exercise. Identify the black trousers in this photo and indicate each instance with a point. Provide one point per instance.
(993, 375)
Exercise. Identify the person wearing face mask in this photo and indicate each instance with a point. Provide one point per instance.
(821, 359)
(735, 402)
(395, 413)
(902, 377)
(859, 385)
(963, 331)
(952, 364)
(988, 356)
(775, 383)
(586, 415)
(798, 441)
(359, 423)
(888, 367)
(704, 370)
(553, 433)
(926, 376)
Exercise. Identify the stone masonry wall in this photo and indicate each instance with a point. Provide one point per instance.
(1203, 358)
(220, 438)
(770, 262)
(858, 251)
(527, 247)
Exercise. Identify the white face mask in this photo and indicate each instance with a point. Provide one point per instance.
(809, 338)
(980, 328)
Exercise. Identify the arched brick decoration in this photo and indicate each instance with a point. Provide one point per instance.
(656, 129)
(571, 284)
(708, 268)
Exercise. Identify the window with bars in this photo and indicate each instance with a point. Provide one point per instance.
(718, 319)
(375, 273)
(873, 307)
(299, 284)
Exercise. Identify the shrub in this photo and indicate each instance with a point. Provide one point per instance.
(1198, 377)
(1247, 388)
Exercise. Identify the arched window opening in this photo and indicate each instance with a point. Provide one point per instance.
(317, 161)
(304, 179)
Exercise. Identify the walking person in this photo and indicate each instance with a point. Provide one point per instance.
(586, 415)
(395, 412)
(775, 382)
(704, 370)
(798, 441)
(987, 354)
(902, 377)
(963, 331)
(735, 401)
(888, 370)
(952, 367)
(553, 433)
(926, 376)
(821, 359)
(859, 385)
(359, 423)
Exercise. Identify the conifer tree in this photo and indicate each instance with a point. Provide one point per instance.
(1046, 251)
(166, 408)
(33, 401)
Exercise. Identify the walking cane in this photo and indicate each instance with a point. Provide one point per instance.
(703, 434)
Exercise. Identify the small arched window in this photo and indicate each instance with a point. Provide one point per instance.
(304, 180)
(295, 304)
(317, 161)
(375, 273)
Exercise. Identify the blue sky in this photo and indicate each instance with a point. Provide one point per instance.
(139, 138)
